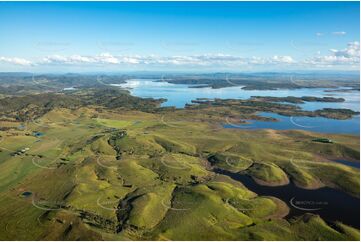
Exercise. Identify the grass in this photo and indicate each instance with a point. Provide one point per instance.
(312, 227)
(200, 214)
(149, 209)
(175, 146)
(306, 227)
(114, 123)
(229, 161)
(177, 168)
(268, 173)
(157, 181)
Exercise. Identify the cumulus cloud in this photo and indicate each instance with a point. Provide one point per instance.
(350, 55)
(275, 60)
(15, 61)
(352, 50)
(283, 59)
(336, 57)
(104, 58)
(339, 33)
(177, 60)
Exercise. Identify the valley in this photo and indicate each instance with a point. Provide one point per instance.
(102, 173)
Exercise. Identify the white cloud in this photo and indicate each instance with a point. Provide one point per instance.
(275, 60)
(104, 58)
(319, 34)
(15, 61)
(352, 50)
(177, 60)
(347, 56)
(283, 59)
(339, 33)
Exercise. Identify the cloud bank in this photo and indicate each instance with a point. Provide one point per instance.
(15, 61)
(349, 56)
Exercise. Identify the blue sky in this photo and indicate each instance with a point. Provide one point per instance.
(235, 36)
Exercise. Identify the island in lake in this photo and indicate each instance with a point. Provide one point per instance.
(180, 121)
(128, 167)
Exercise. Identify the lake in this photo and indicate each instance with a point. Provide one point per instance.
(331, 204)
(316, 124)
(179, 95)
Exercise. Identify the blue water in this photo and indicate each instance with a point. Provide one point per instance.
(38, 134)
(179, 95)
(316, 124)
(334, 205)
(26, 194)
(349, 163)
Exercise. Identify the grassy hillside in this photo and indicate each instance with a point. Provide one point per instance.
(90, 173)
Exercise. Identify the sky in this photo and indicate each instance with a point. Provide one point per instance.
(179, 36)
